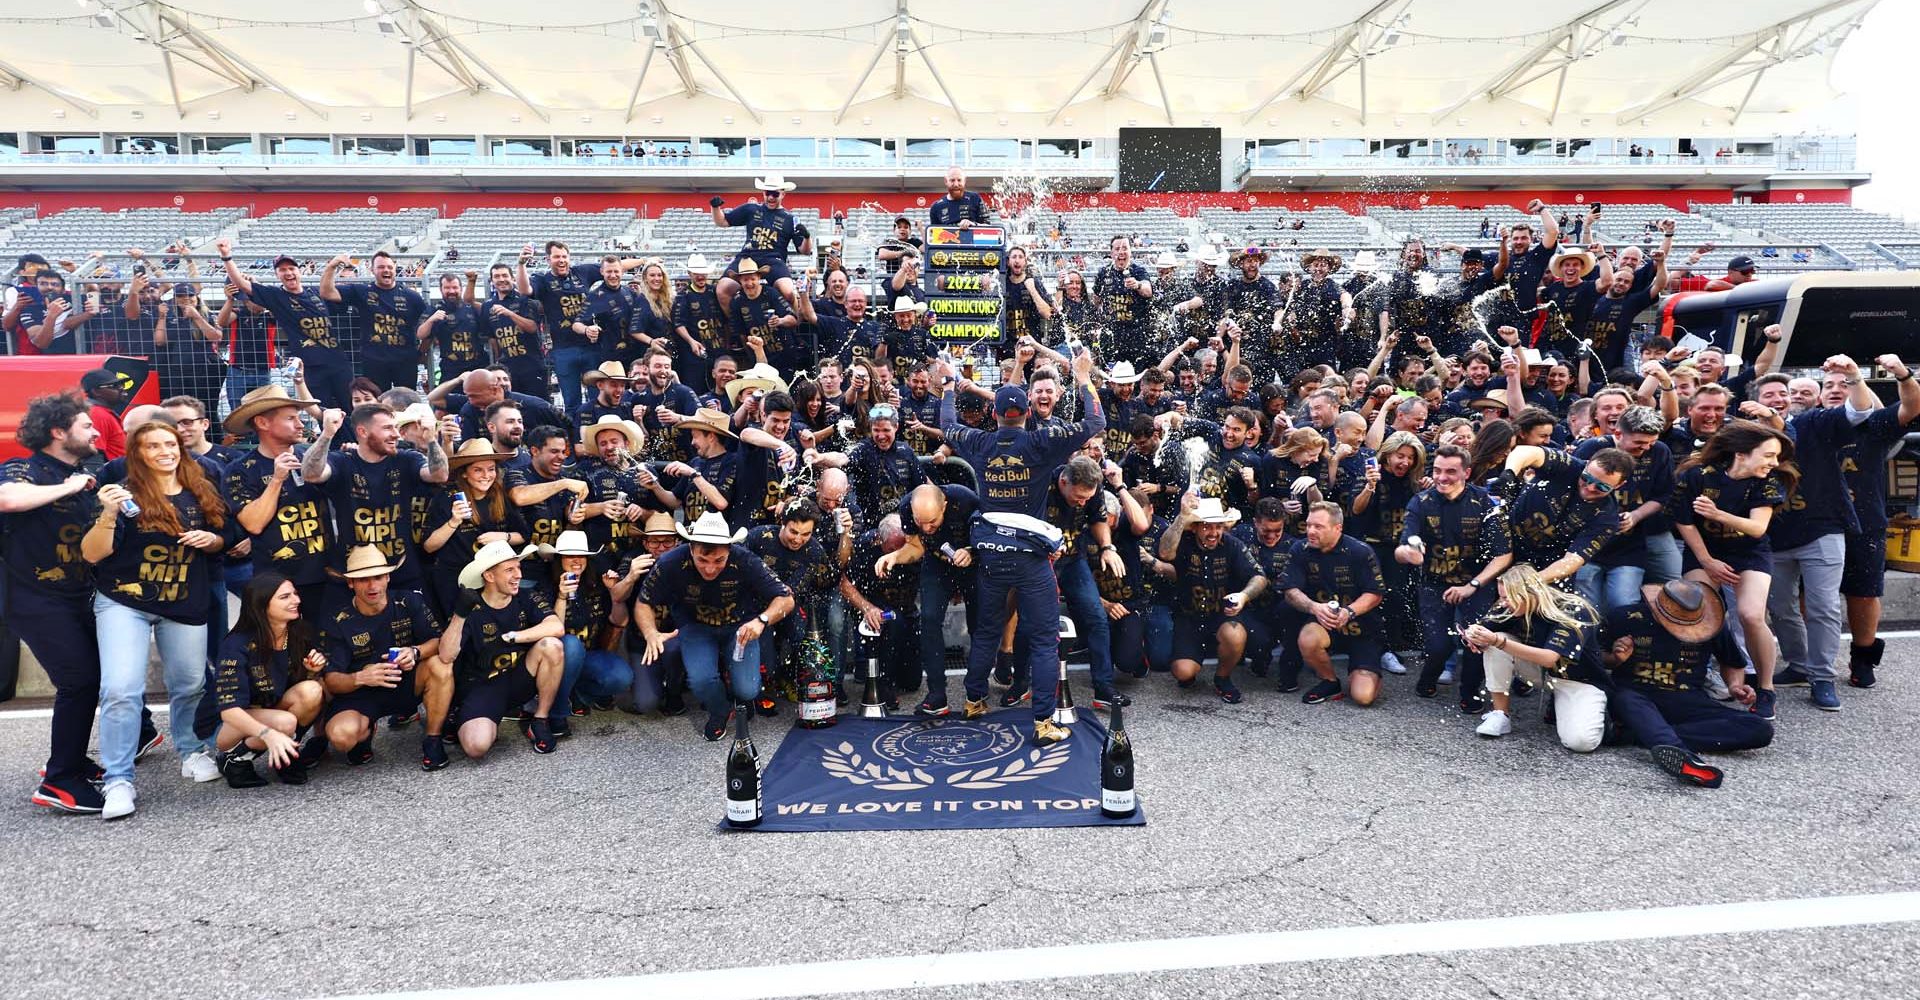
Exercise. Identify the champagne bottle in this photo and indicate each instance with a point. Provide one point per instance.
(818, 701)
(743, 777)
(1116, 771)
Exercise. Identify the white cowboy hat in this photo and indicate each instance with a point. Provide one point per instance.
(590, 433)
(1365, 261)
(1210, 255)
(698, 264)
(572, 542)
(1211, 510)
(490, 555)
(1567, 253)
(908, 304)
(417, 413)
(365, 561)
(1166, 261)
(1123, 374)
(710, 529)
(760, 376)
(774, 182)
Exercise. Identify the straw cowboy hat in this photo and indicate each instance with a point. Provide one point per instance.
(476, 450)
(658, 523)
(760, 376)
(490, 555)
(1567, 253)
(1123, 374)
(747, 266)
(265, 399)
(706, 420)
(416, 413)
(711, 529)
(699, 264)
(1209, 255)
(607, 370)
(1691, 612)
(1366, 262)
(1211, 510)
(1332, 259)
(1257, 253)
(590, 434)
(1166, 261)
(774, 182)
(365, 562)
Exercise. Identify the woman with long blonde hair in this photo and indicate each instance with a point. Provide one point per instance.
(656, 292)
(1552, 637)
(153, 567)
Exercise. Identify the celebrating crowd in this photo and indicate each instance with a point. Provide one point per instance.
(656, 497)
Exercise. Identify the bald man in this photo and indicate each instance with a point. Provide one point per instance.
(960, 207)
(937, 521)
(484, 387)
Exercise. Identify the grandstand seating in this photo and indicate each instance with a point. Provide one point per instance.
(77, 232)
(1844, 228)
(301, 233)
(482, 233)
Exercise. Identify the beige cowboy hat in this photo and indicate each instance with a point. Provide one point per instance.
(699, 264)
(658, 523)
(1209, 255)
(1256, 253)
(706, 420)
(747, 267)
(265, 399)
(1693, 613)
(607, 370)
(761, 376)
(1332, 259)
(1123, 374)
(1212, 510)
(1486, 403)
(1567, 253)
(476, 450)
(711, 529)
(774, 182)
(1366, 262)
(417, 413)
(365, 562)
(590, 433)
(490, 555)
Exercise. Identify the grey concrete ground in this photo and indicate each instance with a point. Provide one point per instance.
(603, 860)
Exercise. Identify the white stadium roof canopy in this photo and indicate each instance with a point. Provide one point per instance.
(994, 67)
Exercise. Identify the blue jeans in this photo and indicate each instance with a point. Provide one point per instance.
(1082, 597)
(569, 363)
(595, 674)
(652, 681)
(702, 649)
(936, 590)
(125, 636)
(1609, 587)
(1663, 557)
(1812, 644)
(239, 383)
(1159, 637)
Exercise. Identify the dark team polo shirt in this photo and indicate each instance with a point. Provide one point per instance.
(1735, 496)
(1651, 482)
(1550, 519)
(611, 309)
(1130, 587)
(465, 543)
(1573, 304)
(305, 321)
(43, 544)
(1524, 273)
(754, 317)
(1342, 574)
(1610, 320)
(372, 505)
(950, 211)
(151, 571)
(1864, 463)
(388, 318)
(514, 346)
(699, 314)
(770, 231)
(1250, 304)
(1019, 316)
(485, 651)
(742, 590)
(1462, 535)
(1075, 521)
(962, 504)
(1012, 464)
(1820, 505)
(236, 679)
(604, 482)
(548, 518)
(881, 478)
(663, 443)
(1658, 659)
(806, 571)
(457, 335)
(1386, 512)
(721, 472)
(1124, 309)
(563, 298)
(354, 640)
(1204, 577)
(298, 540)
(1577, 648)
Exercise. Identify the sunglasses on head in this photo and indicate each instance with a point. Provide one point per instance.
(883, 412)
(1599, 485)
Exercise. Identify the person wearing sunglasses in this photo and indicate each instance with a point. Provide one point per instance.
(1567, 513)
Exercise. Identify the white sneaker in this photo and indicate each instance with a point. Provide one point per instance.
(200, 767)
(1446, 677)
(119, 795)
(1495, 724)
(1391, 664)
(1716, 686)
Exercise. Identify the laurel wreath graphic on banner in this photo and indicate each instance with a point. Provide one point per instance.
(844, 762)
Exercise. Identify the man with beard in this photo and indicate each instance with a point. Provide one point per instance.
(1125, 292)
(850, 338)
(609, 316)
(701, 326)
(659, 403)
(549, 500)
(1318, 311)
(454, 328)
(288, 521)
(562, 293)
(1333, 584)
(389, 318)
(1233, 461)
(960, 207)
(485, 387)
(1025, 308)
(1526, 265)
(920, 412)
(1251, 304)
(1199, 314)
(757, 313)
(881, 468)
(1706, 414)
(382, 649)
(369, 486)
(608, 384)
(771, 230)
(1575, 279)
(1460, 325)
(513, 330)
(1456, 535)
(1118, 398)
(1217, 582)
(48, 501)
(787, 544)
(305, 322)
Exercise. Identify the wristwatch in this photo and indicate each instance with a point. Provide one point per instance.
(764, 620)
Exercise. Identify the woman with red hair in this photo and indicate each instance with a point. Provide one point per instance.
(153, 564)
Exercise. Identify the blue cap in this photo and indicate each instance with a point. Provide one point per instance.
(1009, 399)
(183, 288)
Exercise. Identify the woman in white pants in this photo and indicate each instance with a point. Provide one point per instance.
(1548, 635)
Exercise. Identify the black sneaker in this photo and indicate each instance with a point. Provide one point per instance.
(1688, 766)
(1289, 682)
(398, 722)
(673, 703)
(67, 796)
(600, 704)
(1104, 700)
(579, 710)
(715, 729)
(150, 740)
(539, 733)
(1791, 677)
(1473, 706)
(1260, 667)
(433, 753)
(561, 726)
(931, 709)
(295, 773)
(450, 737)
(361, 752)
(314, 750)
(1188, 684)
(766, 707)
(1323, 692)
(1015, 696)
(94, 773)
(1223, 686)
(237, 768)
(1521, 688)
(1003, 669)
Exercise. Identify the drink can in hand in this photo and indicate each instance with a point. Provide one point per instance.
(129, 507)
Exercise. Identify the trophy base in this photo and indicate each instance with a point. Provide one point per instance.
(873, 712)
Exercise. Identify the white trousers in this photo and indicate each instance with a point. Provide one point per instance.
(1579, 709)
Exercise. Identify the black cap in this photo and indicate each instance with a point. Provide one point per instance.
(97, 378)
(1473, 255)
(30, 258)
(1740, 263)
(284, 259)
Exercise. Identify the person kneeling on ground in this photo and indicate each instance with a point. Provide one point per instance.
(1658, 648)
(382, 661)
(1217, 579)
(260, 692)
(1334, 581)
(1547, 634)
(514, 653)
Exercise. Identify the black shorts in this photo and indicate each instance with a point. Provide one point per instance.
(489, 699)
(1363, 651)
(378, 703)
(1864, 572)
(1756, 559)
(1197, 637)
(770, 270)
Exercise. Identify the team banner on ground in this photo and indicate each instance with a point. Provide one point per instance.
(935, 774)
